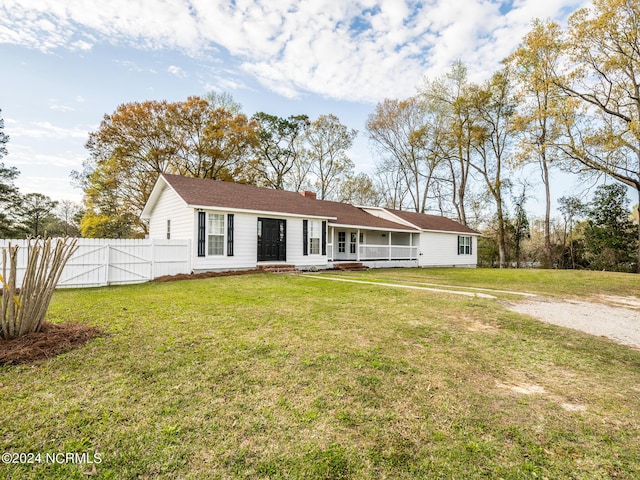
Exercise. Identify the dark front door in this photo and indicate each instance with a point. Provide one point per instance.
(272, 240)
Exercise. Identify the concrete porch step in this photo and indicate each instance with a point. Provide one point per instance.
(279, 268)
(349, 266)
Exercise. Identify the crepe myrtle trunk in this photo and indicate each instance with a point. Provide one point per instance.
(23, 309)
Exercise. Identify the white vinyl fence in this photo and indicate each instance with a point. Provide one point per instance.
(99, 262)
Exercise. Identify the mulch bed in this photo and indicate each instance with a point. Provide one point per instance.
(191, 276)
(53, 339)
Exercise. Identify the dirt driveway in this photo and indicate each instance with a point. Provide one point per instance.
(617, 318)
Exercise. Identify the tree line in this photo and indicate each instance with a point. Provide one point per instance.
(598, 234)
(565, 99)
(209, 137)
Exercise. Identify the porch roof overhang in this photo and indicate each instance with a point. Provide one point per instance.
(465, 233)
(378, 229)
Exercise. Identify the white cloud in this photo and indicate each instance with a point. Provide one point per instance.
(61, 108)
(55, 188)
(81, 45)
(134, 67)
(46, 130)
(293, 47)
(27, 157)
(226, 81)
(177, 71)
(45, 160)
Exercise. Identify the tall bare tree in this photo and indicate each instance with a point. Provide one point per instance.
(327, 142)
(406, 133)
(449, 95)
(495, 105)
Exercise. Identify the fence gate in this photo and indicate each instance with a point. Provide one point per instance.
(100, 262)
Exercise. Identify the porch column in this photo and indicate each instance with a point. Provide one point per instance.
(358, 245)
(389, 246)
(411, 246)
(330, 241)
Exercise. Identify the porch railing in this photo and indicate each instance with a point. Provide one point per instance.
(388, 252)
(376, 252)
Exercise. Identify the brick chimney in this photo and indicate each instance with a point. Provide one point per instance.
(308, 194)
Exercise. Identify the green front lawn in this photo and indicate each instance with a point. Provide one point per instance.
(268, 376)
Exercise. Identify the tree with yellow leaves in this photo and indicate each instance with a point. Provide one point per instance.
(543, 108)
(140, 140)
(603, 45)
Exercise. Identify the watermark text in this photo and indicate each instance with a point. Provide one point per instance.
(74, 458)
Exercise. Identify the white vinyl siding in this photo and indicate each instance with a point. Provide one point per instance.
(245, 243)
(441, 249)
(295, 243)
(171, 209)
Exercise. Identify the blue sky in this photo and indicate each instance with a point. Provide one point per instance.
(67, 63)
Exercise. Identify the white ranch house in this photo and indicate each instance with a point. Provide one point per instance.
(233, 226)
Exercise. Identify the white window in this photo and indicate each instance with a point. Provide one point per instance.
(464, 245)
(352, 243)
(342, 237)
(168, 229)
(315, 232)
(215, 234)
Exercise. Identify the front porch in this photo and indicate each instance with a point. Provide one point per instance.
(364, 245)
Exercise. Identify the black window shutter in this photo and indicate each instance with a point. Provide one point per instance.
(202, 237)
(230, 235)
(470, 245)
(458, 244)
(324, 238)
(305, 237)
(283, 240)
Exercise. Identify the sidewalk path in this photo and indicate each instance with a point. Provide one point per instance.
(395, 285)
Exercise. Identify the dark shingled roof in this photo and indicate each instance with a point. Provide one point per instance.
(432, 222)
(212, 193)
